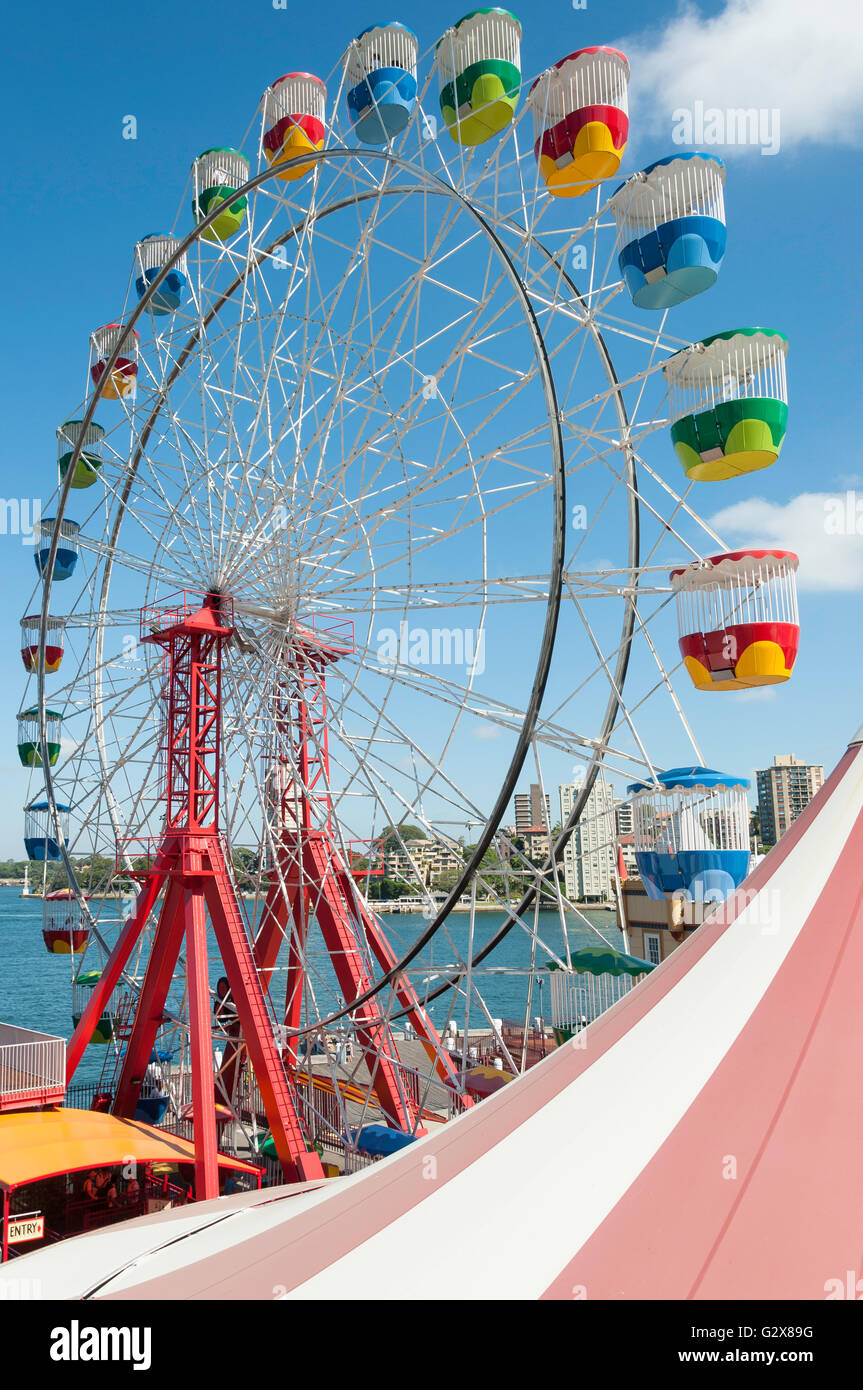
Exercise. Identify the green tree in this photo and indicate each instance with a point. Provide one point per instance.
(392, 833)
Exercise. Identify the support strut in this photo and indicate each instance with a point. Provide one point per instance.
(192, 868)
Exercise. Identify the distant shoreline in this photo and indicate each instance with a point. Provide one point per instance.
(389, 907)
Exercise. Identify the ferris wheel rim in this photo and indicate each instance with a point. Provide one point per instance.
(430, 182)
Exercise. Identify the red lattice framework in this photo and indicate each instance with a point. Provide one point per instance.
(189, 869)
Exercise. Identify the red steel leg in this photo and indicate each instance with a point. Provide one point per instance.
(255, 1023)
(340, 937)
(167, 942)
(117, 961)
(201, 1042)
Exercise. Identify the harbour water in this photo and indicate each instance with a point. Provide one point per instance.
(35, 988)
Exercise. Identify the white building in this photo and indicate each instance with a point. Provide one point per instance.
(589, 857)
(431, 858)
(623, 818)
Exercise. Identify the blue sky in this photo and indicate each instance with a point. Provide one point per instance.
(79, 196)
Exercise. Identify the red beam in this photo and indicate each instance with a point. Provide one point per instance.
(200, 1040)
(116, 964)
(297, 1162)
(151, 1001)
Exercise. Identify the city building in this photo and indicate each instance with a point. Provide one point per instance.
(623, 818)
(536, 842)
(590, 855)
(784, 790)
(431, 858)
(530, 810)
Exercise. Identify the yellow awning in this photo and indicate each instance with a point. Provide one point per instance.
(38, 1144)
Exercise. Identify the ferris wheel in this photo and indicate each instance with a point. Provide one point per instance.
(367, 513)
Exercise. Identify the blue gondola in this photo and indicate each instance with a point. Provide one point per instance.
(671, 229)
(379, 1141)
(40, 833)
(691, 833)
(380, 76)
(67, 547)
(151, 253)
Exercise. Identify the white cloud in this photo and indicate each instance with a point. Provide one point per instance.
(763, 695)
(801, 58)
(487, 731)
(824, 528)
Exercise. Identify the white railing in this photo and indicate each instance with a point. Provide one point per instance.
(354, 1161)
(577, 997)
(30, 1062)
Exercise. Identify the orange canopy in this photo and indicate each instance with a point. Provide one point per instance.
(37, 1144)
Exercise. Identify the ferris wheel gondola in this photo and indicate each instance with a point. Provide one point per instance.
(691, 833)
(581, 120)
(89, 456)
(64, 930)
(479, 63)
(151, 255)
(738, 620)
(293, 113)
(671, 229)
(117, 383)
(729, 402)
(380, 69)
(31, 625)
(66, 556)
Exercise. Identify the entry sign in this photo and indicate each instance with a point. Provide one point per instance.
(23, 1228)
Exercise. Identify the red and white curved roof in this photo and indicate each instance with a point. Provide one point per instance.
(733, 566)
(582, 57)
(702, 1142)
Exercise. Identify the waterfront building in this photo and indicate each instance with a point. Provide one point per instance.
(531, 809)
(626, 845)
(431, 857)
(784, 790)
(590, 854)
(536, 842)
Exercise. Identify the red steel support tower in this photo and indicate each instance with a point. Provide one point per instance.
(191, 866)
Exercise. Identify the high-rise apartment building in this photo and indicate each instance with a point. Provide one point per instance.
(529, 811)
(623, 818)
(784, 790)
(590, 854)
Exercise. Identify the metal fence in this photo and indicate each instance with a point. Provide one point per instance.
(30, 1062)
(577, 998)
(354, 1161)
